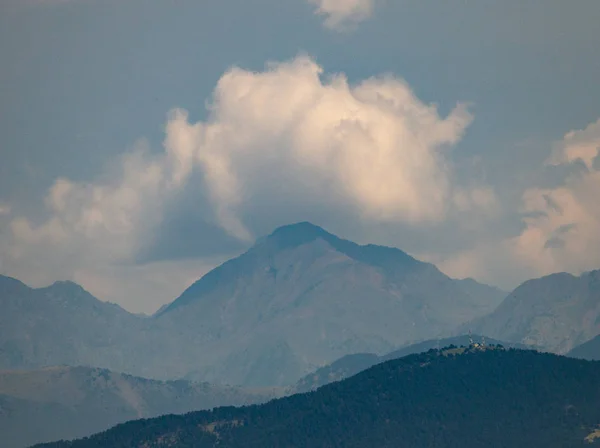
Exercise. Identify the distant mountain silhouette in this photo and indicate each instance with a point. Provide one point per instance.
(302, 297)
(450, 399)
(60, 324)
(555, 313)
(67, 402)
(588, 350)
(298, 299)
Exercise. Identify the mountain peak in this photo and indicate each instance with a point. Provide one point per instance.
(297, 234)
(66, 286)
(302, 226)
(10, 284)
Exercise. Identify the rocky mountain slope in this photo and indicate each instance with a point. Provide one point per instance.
(61, 324)
(555, 313)
(302, 297)
(68, 402)
(298, 299)
(448, 399)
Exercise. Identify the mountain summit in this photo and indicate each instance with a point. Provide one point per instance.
(291, 237)
(302, 297)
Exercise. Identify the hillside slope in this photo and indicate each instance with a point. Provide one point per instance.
(495, 398)
(588, 350)
(350, 365)
(556, 313)
(61, 324)
(68, 402)
(302, 297)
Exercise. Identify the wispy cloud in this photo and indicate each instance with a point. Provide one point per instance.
(561, 225)
(341, 14)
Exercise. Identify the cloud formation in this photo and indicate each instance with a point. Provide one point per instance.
(287, 138)
(373, 149)
(339, 14)
(101, 219)
(561, 225)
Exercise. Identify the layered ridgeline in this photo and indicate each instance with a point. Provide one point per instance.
(555, 313)
(302, 297)
(350, 365)
(298, 299)
(448, 399)
(68, 402)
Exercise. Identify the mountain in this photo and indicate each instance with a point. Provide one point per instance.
(455, 398)
(588, 350)
(340, 369)
(302, 297)
(67, 402)
(555, 313)
(298, 299)
(60, 324)
(481, 291)
(350, 365)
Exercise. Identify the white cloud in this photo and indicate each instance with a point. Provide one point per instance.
(99, 219)
(341, 13)
(4, 209)
(93, 227)
(283, 137)
(563, 229)
(582, 145)
(373, 148)
(561, 224)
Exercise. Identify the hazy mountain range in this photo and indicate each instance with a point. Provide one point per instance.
(63, 402)
(62, 324)
(453, 398)
(555, 313)
(298, 299)
(302, 297)
(67, 402)
(300, 309)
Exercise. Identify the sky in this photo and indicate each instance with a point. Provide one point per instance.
(144, 142)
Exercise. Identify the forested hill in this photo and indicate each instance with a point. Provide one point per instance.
(449, 399)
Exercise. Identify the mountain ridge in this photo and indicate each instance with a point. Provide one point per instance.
(291, 236)
(299, 298)
(61, 402)
(350, 365)
(309, 297)
(452, 398)
(555, 312)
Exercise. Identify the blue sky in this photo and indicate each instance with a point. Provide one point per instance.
(491, 184)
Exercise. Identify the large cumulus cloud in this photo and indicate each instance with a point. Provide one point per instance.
(374, 148)
(287, 138)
